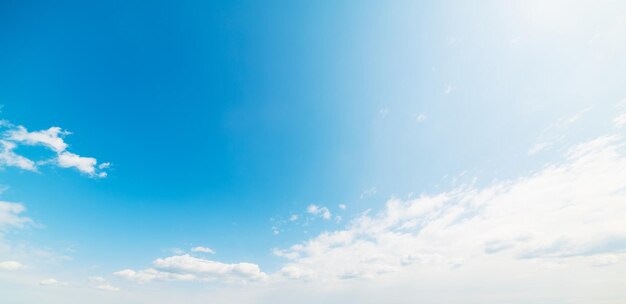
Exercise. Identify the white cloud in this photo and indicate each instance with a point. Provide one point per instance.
(10, 158)
(189, 268)
(11, 265)
(10, 215)
(85, 165)
(52, 282)
(203, 249)
(51, 138)
(569, 210)
(342, 206)
(319, 211)
(293, 217)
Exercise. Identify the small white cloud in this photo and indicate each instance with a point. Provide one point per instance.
(51, 138)
(449, 89)
(189, 268)
(10, 158)
(321, 211)
(11, 265)
(85, 165)
(342, 206)
(52, 282)
(203, 249)
(293, 218)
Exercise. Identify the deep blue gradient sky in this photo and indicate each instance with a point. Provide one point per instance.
(221, 118)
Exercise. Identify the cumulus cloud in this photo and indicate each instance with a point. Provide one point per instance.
(189, 268)
(203, 249)
(319, 211)
(11, 265)
(51, 138)
(573, 209)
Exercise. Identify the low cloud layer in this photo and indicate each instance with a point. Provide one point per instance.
(573, 209)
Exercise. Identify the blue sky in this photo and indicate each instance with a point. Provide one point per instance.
(286, 137)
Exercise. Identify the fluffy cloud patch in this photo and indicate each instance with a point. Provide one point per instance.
(85, 165)
(11, 265)
(51, 138)
(573, 209)
(8, 158)
(189, 268)
(203, 249)
(319, 211)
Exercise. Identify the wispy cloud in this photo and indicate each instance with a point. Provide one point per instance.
(369, 193)
(11, 216)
